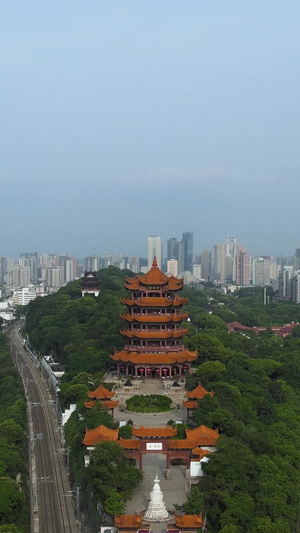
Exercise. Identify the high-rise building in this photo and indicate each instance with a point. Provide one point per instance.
(205, 261)
(180, 258)
(295, 287)
(107, 260)
(220, 270)
(121, 261)
(172, 267)
(261, 270)
(297, 259)
(243, 268)
(69, 270)
(172, 248)
(91, 263)
(175, 250)
(69, 266)
(134, 263)
(54, 278)
(197, 271)
(225, 259)
(285, 281)
(30, 259)
(21, 276)
(188, 251)
(154, 250)
(2, 270)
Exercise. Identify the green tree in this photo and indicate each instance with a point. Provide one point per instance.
(11, 499)
(76, 393)
(110, 470)
(10, 528)
(114, 504)
(210, 371)
(125, 432)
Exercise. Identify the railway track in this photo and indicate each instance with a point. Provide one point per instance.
(51, 495)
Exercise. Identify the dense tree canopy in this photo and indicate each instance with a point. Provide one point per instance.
(111, 471)
(14, 504)
(250, 481)
(81, 332)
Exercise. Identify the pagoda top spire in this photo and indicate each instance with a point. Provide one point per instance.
(154, 263)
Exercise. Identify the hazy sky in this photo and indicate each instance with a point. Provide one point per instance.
(121, 119)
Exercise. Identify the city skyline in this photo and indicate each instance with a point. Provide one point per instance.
(125, 119)
(114, 250)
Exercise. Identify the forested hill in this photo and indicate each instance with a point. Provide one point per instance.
(251, 483)
(14, 497)
(80, 332)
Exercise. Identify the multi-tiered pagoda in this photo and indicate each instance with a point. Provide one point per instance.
(90, 284)
(154, 329)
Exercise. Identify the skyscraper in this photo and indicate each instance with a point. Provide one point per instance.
(205, 259)
(91, 263)
(261, 270)
(285, 278)
(154, 250)
(188, 251)
(243, 268)
(172, 248)
(2, 269)
(30, 259)
(220, 271)
(225, 259)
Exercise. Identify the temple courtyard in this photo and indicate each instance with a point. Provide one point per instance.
(175, 489)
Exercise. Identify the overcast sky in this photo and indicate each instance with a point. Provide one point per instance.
(121, 119)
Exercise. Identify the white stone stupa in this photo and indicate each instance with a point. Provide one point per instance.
(156, 511)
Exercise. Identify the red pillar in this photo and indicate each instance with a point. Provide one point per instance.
(140, 460)
(188, 460)
(168, 462)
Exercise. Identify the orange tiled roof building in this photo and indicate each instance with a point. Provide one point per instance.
(187, 523)
(154, 329)
(102, 396)
(197, 394)
(198, 442)
(130, 523)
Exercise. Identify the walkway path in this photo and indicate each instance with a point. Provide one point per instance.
(175, 489)
(150, 386)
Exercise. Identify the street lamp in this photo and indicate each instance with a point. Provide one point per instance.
(66, 452)
(75, 494)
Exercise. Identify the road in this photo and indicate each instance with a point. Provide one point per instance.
(52, 502)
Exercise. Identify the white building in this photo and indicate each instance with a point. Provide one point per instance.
(24, 295)
(197, 271)
(172, 267)
(154, 250)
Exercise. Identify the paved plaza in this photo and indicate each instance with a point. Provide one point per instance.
(150, 386)
(175, 489)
